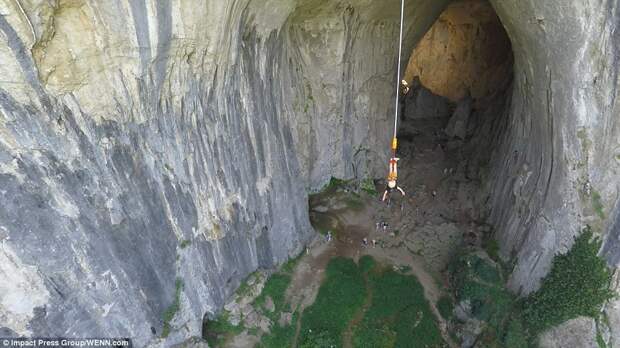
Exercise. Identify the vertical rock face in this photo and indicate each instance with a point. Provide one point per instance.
(142, 145)
(557, 168)
(145, 144)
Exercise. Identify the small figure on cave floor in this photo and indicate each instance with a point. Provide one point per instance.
(392, 183)
(365, 242)
(328, 237)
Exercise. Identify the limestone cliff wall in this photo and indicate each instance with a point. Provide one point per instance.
(141, 143)
(557, 168)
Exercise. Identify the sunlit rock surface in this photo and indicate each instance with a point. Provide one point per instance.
(145, 142)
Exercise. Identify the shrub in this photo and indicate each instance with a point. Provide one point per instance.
(577, 285)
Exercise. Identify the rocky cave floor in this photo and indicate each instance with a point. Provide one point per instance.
(423, 232)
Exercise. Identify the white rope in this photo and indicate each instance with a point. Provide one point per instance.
(400, 49)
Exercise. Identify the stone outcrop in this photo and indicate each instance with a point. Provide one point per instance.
(156, 152)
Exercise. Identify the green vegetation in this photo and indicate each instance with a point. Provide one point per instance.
(334, 184)
(341, 295)
(597, 205)
(172, 310)
(320, 339)
(445, 306)
(515, 336)
(244, 288)
(185, 243)
(289, 266)
(600, 341)
(479, 281)
(492, 248)
(280, 336)
(219, 330)
(366, 263)
(275, 287)
(398, 315)
(368, 186)
(577, 285)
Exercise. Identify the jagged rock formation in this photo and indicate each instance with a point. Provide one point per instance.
(143, 142)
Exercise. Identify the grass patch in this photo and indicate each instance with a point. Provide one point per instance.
(185, 243)
(275, 287)
(577, 285)
(280, 336)
(445, 306)
(366, 263)
(399, 314)
(172, 310)
(340, 296)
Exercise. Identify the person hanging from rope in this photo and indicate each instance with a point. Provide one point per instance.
(404, 87)
(392, 179)
(401, 87)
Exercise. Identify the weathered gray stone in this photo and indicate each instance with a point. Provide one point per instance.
(457, 125)
(579, 332)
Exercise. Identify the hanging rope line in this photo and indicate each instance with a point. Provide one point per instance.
(397, 102)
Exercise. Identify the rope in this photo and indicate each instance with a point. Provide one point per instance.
(400, 49)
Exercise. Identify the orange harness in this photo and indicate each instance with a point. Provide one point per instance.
(393, 174)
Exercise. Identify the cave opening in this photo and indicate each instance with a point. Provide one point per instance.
(460, 77)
